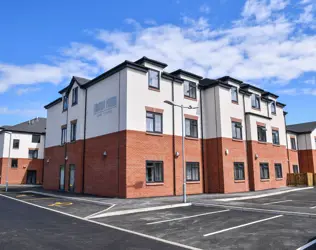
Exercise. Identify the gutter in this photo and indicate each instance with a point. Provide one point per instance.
(202, 143)
(246, 137)
(287, 145)
(84, 141)
(173, 141)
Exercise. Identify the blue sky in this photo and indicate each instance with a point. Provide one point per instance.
(269, 43)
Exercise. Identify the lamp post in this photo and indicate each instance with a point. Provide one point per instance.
(183, 158)
(7, 171)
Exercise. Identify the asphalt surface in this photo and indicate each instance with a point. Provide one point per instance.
(284, 232)
(27, 227)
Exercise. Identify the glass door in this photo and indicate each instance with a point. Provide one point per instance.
(62, 178)
(72, 171)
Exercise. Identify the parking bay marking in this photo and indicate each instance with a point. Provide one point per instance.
(274, 202)
(106, 225)
(187, 217)
(243, 225)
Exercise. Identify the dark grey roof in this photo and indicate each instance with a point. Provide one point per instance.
(51, 104)
(36, 125)
(306, 127)
(186, 73)
(154, 62)
(81, 81)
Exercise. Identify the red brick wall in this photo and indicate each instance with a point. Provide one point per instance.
(105, 175)
(56, 157)
(293, 158)
(142, 146)
(220, 167)
(267, 153)
(18, 175)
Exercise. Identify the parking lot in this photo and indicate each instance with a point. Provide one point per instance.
(207, 224)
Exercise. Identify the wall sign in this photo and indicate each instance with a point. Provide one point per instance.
(105, 107)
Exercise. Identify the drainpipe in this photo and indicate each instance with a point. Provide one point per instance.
(287, 145)
(118, 135)
(217, 146)
(246, 137)
(202, 143)
(173, 140)
(84, 141)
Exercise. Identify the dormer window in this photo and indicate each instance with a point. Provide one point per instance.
(65, 103)
(234, 94)
(74, 96)
(273, 108)
(153, 79)
(255, 101)
(189, 89)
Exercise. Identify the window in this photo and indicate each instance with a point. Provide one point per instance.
(36, 138)
(33, 153)
(75, 96)
(14, 163)
(293, 143)
(190, 89)
(237, 130)
(264, 171)
(193, 171)
(16, 143)
(63, 135)
(73, 131)
(153, 122)
(275, 137)
(153, 79)
(239, 171)
(278, 171)
(234, 93)
(296, 169)
(65, 103)
(262, 133)
(255, 101)
(191, 129)
(154, 171)
(273, 108)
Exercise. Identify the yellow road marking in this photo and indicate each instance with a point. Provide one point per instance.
(60, 204)
(23, 195)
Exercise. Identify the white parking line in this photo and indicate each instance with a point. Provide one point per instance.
(186, 217)
(312, 207)
(100, 212)
(274, 202)
(107, 225)
(307, 245)
(243, 225)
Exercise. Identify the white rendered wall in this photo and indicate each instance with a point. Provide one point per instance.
(107, 120)
(25, 144)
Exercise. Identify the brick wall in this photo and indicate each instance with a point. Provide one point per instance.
(18, 175)
(293, 159)
(267, 153)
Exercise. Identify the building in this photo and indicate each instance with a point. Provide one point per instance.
(115, 136)
(302, 147)
(22, 152)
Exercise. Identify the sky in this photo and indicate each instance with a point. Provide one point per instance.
(268, 43)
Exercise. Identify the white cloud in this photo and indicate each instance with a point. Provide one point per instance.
(311, 81)
(305, 1)
(23, 91)
(291, 91)
(205, 9)
(23, 112)
(151, 22)
(261, 10)
(268, 50)
(307, 16)
(296, 91)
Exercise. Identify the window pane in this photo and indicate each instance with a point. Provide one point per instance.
(150, 124)
(193, 90)
(187, 127)
(194, 132)
(153, 79)
(186, 88)
(158, 123)
(158, 172)
(234, 94)
(253, 100)
(149, 174)
(273, 108)
(189, 172)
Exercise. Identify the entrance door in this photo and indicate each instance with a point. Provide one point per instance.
(62, 178)
(31, 177)
(72, 171)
